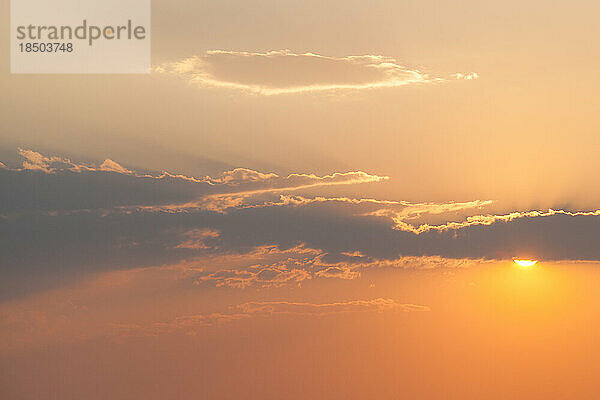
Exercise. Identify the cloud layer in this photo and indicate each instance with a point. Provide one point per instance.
(243, 228)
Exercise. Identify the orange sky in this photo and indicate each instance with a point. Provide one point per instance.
(488, 330)
(309, 200)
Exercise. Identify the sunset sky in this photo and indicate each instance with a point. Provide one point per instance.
(309, 200)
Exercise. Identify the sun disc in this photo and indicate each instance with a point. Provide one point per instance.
(525, 263)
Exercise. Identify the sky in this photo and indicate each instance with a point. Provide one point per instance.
(309, 199)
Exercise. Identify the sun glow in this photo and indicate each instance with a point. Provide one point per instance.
(525, 263)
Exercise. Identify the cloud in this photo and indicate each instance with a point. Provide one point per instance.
(284, 72)
(190, 324)
(111, 166)
(339, 272)
(268, 267)
(37, 161)
(396, 210)
(58, 184)
(198, 239)
(283, 307)
(468, 76)
(262, 276)
(83, 310)
(186, 324)
(488, 219)
(223, 201)
(239, 175)
(272, 267)
(62, 220)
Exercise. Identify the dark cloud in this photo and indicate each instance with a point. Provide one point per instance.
(63, 224)
(51, 183)
(68, 190)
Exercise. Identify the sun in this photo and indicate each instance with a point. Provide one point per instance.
(525, 263)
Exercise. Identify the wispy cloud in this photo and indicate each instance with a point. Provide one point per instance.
(284, 307)
(400, 210)
(293, 182)
(285, 72)
(271, 267)
(489, 219)
(190, 324)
